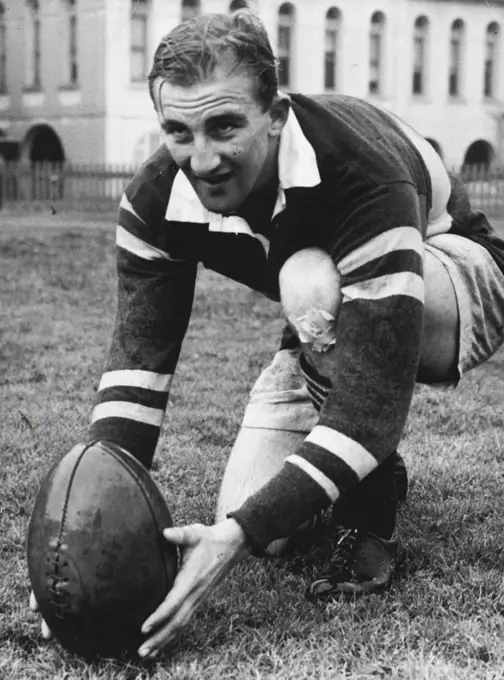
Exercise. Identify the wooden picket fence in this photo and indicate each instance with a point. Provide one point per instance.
(65, 186)
(485, 185)
(99, 187)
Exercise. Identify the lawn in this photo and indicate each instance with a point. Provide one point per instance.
(442, 617)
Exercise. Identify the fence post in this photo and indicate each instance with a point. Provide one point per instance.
(3, 171)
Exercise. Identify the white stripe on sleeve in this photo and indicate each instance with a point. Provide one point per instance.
(140, 248)
(350, 451)
(319, 477)
(128, 410)
(399, 238)
(125, 204)
(136, 378)
(400, 283)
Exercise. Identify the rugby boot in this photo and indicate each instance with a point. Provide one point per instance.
(361, 563)
(365, 553)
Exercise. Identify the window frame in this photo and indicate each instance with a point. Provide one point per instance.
(332, 30)
(419, 84)
(376, 54)
(190, 9)
(286, 19)
(457, 47)
(3, 51)
(140, 10)
(491, 61)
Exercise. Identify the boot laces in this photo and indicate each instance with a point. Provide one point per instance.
(340, 562)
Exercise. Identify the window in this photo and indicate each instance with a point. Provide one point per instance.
(456, 56)
(285, 44)
(491, 59)
(138, 56)
(190, 9)
(71, 76)
(376, 38)
(238, 4)
(3, 51)
(420, 55)
(332, 28)
(32, 45)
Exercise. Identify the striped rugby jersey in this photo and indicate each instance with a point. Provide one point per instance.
(353, 181)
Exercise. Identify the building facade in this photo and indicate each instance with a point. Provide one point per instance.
(73, 72)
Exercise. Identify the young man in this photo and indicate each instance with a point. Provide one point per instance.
(385, 276)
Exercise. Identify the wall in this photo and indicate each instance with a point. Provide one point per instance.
(76, 114)
(109, 119)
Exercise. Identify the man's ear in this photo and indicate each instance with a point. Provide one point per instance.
(279, 111)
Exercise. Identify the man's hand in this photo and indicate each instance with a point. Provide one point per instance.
(46, 632)
(208, 555)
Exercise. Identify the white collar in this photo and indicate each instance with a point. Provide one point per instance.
(297, 167)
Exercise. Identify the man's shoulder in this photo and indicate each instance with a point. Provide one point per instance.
(348, 133)
(333, 108)
(149, 190)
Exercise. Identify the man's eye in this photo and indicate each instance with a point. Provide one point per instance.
(225, 128)
(180, 134)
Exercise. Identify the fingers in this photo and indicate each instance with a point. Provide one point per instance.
(169, 632)
(208, 554)
(46, 631)
(182, 588)
(189, 535)
(166, 634)
(33, 602)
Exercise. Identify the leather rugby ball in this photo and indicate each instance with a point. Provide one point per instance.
(97, 560)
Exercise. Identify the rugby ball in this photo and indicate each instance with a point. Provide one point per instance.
(97, 560)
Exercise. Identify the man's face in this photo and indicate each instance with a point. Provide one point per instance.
(218, 134)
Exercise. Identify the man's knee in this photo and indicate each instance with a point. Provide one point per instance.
(310, 293)
(439, 352)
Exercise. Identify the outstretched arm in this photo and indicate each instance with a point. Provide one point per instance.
(372, 368)
(155, 294)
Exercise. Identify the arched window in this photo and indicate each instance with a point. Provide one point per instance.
(420, 47)
(376, 51)
(491, 59)
(286, 18)
(332, 28)
(456, 56)
(480, 153)
(32, 45)
(138, 49)
(238, 4)
(71, 58)
(3, 51)
(190, 9)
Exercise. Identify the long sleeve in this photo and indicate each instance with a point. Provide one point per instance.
(372, 371)
(154, 301)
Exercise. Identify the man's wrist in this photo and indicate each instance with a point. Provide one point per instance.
(237, 537)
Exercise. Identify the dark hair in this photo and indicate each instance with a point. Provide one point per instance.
(191, 51)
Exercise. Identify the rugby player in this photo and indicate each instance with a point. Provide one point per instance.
(383, 272)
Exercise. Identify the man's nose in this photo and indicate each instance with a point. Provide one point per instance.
(204, 159)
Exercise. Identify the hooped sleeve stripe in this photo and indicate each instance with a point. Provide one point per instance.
(135, 245)
(125, 204)
(397, 238)
(136, 378)
(317, 475)
(348, 450)
(400, 283)
(128, 411)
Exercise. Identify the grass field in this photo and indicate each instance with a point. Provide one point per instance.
(443, 616)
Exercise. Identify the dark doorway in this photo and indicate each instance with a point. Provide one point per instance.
(43, 145)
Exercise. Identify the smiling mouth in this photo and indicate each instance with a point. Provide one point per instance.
(217, 180)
